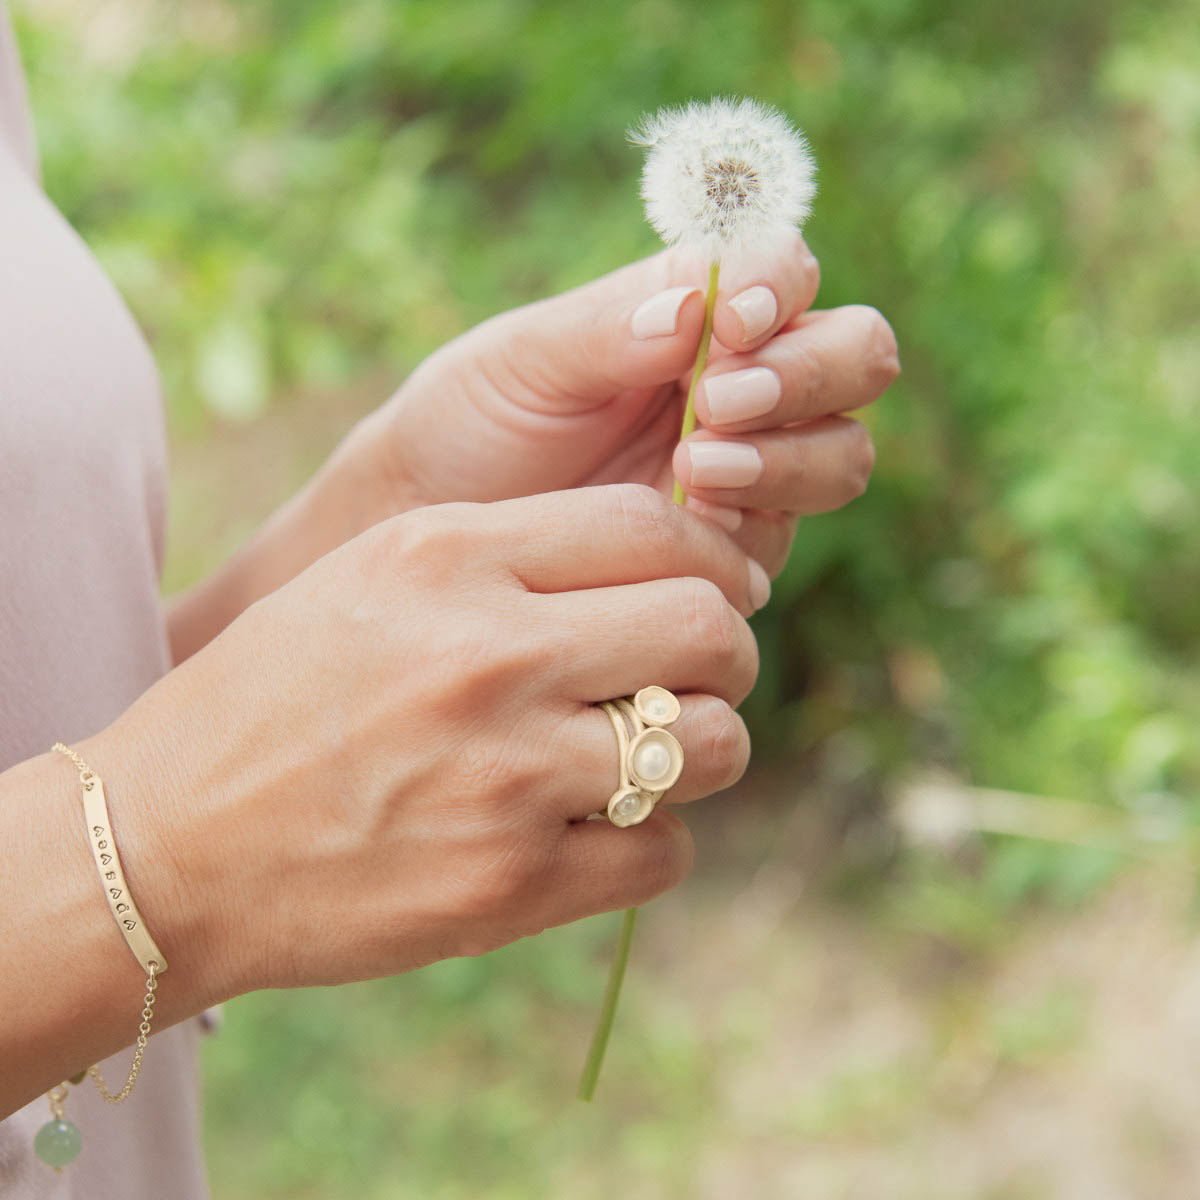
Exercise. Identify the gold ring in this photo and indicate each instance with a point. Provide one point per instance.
(650, 758)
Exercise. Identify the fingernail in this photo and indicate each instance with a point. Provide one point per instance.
(742, 395)
(659, 316)
(724, 464)
(757, 309)
(719, 514)
(760, 585)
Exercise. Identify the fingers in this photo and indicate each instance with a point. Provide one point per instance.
(616, 534)
(716, 752)
(764, 534)
(827, 362)
(636, 328)
(599, 868)
(639, 327)
(682, 634)
(802, 469)
(758, 296)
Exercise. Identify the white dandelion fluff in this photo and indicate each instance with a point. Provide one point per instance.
(724, 176)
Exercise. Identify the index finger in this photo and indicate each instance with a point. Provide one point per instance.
(622, 533)
(759, 294)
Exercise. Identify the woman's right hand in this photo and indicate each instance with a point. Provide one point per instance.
(389, 760)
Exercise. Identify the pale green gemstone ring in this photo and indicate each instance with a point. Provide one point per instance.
(650, 760)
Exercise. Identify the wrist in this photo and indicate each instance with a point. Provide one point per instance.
(69, 991)
(368, 474)
(172, 858)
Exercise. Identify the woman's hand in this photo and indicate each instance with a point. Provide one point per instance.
(389, 760)
(589, 387)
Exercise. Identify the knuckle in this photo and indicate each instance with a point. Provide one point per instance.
(729, 647)
(882, 358)
(721, 745)
(709, 620)
(479, 659)
(731, 748)
(646, 514)
(639, 500)
(812, 371)
(437, 538)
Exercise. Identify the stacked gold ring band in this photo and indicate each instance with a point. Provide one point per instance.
(650, 758)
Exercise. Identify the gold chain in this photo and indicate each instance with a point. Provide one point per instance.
(87, 776)
(139, 1052)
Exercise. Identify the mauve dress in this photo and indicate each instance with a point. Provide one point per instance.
(82, 510)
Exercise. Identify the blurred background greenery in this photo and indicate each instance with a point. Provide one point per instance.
(859, 993)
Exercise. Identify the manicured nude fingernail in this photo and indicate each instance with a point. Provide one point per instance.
(719, 514)
(724, 464)
(659, 316)
(760, 585)
(742, 395)
(757, 309)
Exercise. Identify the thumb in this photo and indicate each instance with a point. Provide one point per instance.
(631, 329)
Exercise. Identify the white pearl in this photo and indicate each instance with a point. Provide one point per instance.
(652, 760)
(658, 708)
(627, 806)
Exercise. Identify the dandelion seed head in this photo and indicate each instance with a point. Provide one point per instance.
(724, 176)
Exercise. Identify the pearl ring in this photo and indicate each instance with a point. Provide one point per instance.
(651, 759)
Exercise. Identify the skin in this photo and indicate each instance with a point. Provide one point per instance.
(559, 394)
(381, 743)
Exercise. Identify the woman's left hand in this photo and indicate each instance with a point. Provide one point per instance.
(589, 387)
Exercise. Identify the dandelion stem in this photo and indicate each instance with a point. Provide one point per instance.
(595, 1058)
(689, 413)
(616, 974)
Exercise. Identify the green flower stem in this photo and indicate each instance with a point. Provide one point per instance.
(616, 974)
(689, 413)
(595, 1058)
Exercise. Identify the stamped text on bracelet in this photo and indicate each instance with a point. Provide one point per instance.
(115, 888)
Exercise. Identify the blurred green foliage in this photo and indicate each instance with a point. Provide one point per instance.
(302, 194)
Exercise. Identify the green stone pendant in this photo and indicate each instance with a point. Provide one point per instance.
(57, 1143)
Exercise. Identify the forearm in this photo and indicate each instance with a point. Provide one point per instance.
(71, 991)
(351, 492)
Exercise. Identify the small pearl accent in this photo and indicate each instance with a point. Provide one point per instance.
(627, 806)
(652, 760)
(658, 708)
